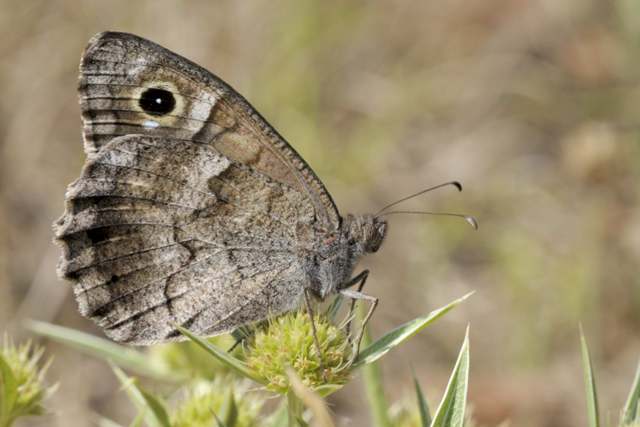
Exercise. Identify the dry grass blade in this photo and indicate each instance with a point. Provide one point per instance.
(321, 416)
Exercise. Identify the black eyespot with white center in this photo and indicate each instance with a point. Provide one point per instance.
(157, 101)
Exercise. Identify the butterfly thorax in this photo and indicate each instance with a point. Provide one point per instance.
(333, 267)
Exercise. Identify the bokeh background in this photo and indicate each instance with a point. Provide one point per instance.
(533, 105)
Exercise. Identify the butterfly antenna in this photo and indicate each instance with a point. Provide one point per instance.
(470, 220)
(435, 187)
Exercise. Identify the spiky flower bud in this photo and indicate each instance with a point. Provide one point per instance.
(22, 388)
(222, 400)
(288, 342)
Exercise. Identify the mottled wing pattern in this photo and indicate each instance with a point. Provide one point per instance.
(191, 218)
(150, 245)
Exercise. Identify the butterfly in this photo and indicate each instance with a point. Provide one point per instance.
(191, 209)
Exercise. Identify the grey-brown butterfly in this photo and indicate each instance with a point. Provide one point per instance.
(191, 209)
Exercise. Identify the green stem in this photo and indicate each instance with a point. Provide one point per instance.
(294, 409)
(372, 377)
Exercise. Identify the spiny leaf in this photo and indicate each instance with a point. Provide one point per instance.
(402, 333)
(219, 422)
(152, 407)
(118, 354)
(589, 383)
(228, 411)
(222, 356)
(631, 411)
(423, 407)
(450, 412)
(372, 378)
(157, 407)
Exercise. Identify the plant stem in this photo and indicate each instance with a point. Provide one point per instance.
(294, 409)
(372, 377)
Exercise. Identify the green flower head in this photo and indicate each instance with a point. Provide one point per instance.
(22, 388)
(223, 398)
(287, 342)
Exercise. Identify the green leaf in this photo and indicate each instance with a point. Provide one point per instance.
(423, 407)
(138, 420)
(102, 348)
(631, 411)
(151, 406)
(374, 388)
(157, 407)
(402, 333)
(224, 357)
(219, 422)
(450, 413)
(228, 410)
(589, 383)
(294, 409)
(9, 393)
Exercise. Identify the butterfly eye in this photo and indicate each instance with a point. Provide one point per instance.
(157, 101)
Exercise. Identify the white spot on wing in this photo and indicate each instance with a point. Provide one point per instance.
(150, 124)
(200, 109)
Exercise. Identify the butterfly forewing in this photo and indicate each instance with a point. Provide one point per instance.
(119, 70)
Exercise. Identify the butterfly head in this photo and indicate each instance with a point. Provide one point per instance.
(366, 232)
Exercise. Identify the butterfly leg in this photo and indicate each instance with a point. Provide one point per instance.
(307, 301)
(355, 295)
(361, 279)
(241, 334)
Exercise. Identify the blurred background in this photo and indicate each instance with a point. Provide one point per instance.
(533, 105)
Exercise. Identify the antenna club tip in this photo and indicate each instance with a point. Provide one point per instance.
(472, 221)
(457, 184)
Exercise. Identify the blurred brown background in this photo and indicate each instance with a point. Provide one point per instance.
(533, 105)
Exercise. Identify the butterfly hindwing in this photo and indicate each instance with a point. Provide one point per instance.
(160, 232)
